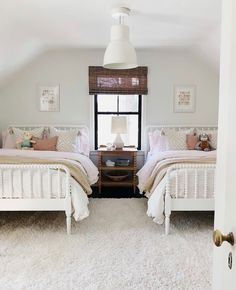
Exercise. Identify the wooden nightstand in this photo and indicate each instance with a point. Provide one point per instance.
(114, 155)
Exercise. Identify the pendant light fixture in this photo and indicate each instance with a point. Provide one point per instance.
(120, 54)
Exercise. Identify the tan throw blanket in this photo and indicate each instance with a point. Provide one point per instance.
(75, 171)
(157, 165)
(161, 169)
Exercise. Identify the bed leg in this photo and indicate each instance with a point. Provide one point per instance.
(68, 215)
(167, 212)
(68, 223)
(167, 225)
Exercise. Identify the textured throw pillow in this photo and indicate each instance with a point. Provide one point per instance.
(67, 140)
(177, 139)
(19, 133)
(191, 141)
(49, 144)
(212, 135)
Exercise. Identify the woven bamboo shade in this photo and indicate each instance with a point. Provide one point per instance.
(122, 82)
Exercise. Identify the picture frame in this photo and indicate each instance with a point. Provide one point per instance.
(184, 98)
(49, 98)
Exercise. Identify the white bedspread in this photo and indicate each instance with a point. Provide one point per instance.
(79, 197)
(88, 166)
(156, 199)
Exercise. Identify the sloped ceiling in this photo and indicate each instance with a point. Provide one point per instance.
(29, 27)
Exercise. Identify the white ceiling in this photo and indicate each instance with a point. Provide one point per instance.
(28, 27)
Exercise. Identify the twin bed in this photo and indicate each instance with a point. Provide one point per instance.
(173, 178)
(36, 180)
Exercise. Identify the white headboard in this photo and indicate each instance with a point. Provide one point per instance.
(151, 128)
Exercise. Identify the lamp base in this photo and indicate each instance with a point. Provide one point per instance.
(118, 142)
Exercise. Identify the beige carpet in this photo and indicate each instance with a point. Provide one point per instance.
(116, 247)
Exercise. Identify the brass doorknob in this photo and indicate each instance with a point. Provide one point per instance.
(219, 238)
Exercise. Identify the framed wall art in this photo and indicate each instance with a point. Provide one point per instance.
(184, 98)
(49, 98)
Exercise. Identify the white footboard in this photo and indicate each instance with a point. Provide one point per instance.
(199, 198)
(15, 197)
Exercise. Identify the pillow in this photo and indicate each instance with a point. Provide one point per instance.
(153, 139)
(212, 136)
(161, 144)
(19, 133)
(49, 144)
(82, 144)
(8, 139)
(4, 135)
(67, 140)
(191, 141)
(177, 139)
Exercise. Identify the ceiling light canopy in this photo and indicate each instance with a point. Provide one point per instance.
(120, 54)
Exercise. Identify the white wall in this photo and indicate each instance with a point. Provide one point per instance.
(69, 68)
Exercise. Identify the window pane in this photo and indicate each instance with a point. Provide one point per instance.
(104, 130)
(107, 103)
(128, 103)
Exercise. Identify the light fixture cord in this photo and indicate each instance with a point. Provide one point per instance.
(118, 105)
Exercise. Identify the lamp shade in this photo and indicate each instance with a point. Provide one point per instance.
(120, 54)
(119, 125)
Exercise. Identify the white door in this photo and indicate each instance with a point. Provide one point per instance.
(225, 215)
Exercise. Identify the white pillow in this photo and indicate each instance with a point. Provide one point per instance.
(83, 142)
(154, 139)
(161, 145)
(177, 139)
(67, 140)
(8, 140)
(212, 135)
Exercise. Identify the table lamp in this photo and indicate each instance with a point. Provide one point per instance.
(118, 126)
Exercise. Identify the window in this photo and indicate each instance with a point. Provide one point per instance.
(117, 92)
(106, 106)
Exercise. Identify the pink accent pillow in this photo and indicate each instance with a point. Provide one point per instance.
(49, 144)
(191, 141)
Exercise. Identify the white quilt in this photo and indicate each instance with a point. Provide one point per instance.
(79, 197)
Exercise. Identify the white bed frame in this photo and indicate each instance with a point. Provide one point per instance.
(188, 202)
(62, 202)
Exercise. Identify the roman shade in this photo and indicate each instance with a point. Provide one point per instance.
(122, 81)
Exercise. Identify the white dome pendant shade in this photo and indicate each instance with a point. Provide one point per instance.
(120, 54)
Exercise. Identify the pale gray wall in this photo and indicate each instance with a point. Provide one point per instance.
(69, 68)
(168, 68)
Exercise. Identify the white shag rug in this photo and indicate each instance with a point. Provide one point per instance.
(116, 247)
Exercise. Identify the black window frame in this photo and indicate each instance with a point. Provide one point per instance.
(138, 113)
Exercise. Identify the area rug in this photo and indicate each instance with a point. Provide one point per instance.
(116, 247)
